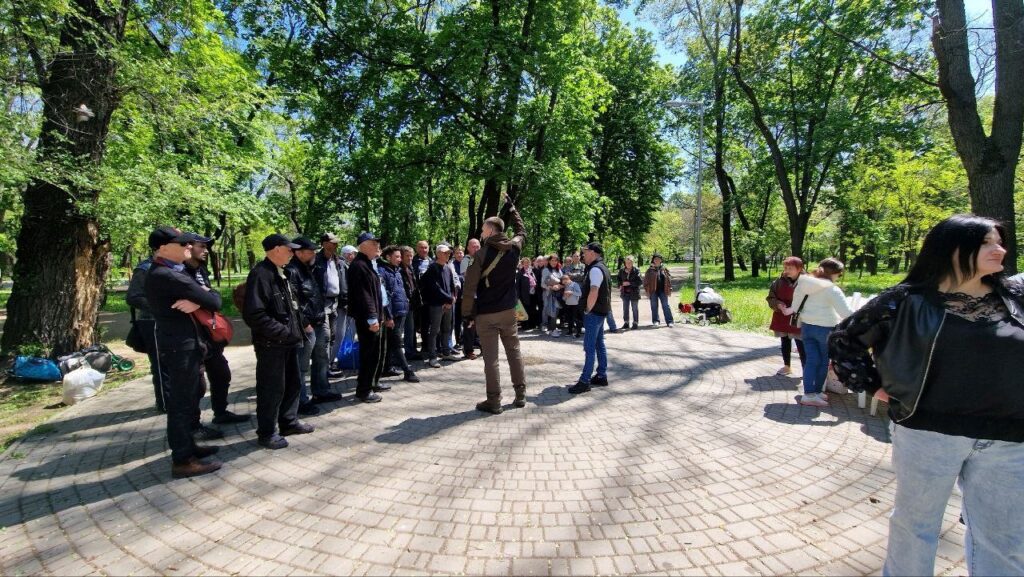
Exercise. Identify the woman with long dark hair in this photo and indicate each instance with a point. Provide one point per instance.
(945, 348)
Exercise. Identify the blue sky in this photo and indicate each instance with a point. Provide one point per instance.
(975, 9)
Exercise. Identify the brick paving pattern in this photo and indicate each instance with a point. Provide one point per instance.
(693, 461)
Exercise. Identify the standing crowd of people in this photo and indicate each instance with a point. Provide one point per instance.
(304, 301)
(925, 346)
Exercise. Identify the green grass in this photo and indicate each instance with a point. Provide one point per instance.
(745, 296)
(24, 406)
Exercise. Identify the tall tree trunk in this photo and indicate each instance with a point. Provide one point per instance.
(62, 258)
(990, 161)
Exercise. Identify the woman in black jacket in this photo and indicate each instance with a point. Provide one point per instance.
(945, 348)
(630, 284)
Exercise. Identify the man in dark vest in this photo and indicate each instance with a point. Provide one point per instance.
(489, 305)
(598, 294)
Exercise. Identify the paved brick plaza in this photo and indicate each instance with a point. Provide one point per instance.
(693, 461)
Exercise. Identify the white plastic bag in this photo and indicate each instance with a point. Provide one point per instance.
(82, 383)
(708, 296)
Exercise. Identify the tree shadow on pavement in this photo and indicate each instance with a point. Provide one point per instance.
(416, 428)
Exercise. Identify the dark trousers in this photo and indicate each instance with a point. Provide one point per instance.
(787, 350)
(469, 339)
(572, 319)
(423, 319)
(457, 325)
(218, 374)
(534, 308)
(147, 330)
(396, 345)
(372, 354)
(277, 388)
(179, 394)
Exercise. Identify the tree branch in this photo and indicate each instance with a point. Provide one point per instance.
(874, 54)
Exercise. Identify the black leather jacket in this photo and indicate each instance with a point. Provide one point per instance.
(268, 308)
(307, 289)
(888, 343)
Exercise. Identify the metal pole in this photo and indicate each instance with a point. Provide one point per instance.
(697, 218)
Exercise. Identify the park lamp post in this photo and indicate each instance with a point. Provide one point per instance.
(700, 169)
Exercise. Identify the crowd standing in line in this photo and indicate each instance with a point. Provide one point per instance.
(305, 299)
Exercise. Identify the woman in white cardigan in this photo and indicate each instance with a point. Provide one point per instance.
(822, 305)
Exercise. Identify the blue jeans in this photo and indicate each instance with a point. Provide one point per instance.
(816, 350)
(991, 477)
(611, 321)
(663, 299)
(593, 345)
(629, 303)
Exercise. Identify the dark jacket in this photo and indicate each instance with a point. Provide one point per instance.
(437, 285)
(175, 330)
(497, 292)
(320, 274)
(631, 292)
(271, 309)
(417, 260)
(393, 282)
(651, 280)
(887, 344)
(364, 299)
(136, 296)
(306, 287)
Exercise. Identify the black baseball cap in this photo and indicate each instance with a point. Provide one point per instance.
(196, 237)
(365, 236)
(595, 246)
(275, 240)
(168, 235)
(304, 243)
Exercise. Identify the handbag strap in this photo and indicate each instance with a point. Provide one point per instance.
(802, 303)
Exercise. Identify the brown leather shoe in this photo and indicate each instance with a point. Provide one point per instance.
(469, 356)
(193, 468)
(204, 451)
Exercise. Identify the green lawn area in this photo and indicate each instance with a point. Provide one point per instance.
(745, 297)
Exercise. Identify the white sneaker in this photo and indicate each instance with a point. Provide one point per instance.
(813, 400)
(556, 333)
(784, 371)
(656, 324)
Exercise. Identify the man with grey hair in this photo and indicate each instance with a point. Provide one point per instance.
(438, 287)
(329, 271)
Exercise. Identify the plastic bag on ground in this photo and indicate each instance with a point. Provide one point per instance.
(82, 383)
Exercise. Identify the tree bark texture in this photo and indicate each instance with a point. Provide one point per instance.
(62, 256)
(990, 161)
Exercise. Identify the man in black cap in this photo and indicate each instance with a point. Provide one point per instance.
(173, 296)
(366, 307)
(330, 272)
(272, 313)
(311, 307)
(598, 294)
(218, 373)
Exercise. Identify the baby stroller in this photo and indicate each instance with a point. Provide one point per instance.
(709, 306)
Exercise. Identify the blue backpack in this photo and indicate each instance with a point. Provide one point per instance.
(35, 369)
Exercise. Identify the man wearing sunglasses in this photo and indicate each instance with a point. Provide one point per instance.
(173, 296)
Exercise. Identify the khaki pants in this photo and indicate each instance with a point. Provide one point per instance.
(491, 327)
